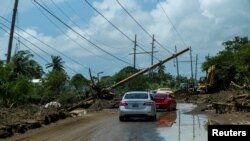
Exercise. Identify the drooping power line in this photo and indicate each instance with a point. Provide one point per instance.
(178, 34)
(117, 28)
(142, 27)
(47, 45)
(37, 48)
(69, 27)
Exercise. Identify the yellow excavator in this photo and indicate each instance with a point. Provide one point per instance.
(206, 84)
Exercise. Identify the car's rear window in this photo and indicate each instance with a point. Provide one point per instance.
(164, 89)
(136, 96)
(160, 95)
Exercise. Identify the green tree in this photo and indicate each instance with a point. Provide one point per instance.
(161, 73)
(56, 64)
(79, 81)
(24, 65)
(124, 73)
(13, 92)
(55, 82)
(15, 84)
(232, 64)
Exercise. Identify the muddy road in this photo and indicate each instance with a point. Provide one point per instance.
(105, 126)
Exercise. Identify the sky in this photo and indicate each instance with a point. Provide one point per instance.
(104, 40)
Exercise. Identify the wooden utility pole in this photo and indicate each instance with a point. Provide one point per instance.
(135, 52)
(152, 55)
(147, 69)
(146, 52)
(177, 65)
(191, 60)
(135, 45)
(12, 31)
(196, 63)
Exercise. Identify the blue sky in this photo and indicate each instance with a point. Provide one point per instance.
(201, 24)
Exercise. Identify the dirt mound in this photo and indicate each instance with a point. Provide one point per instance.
(226, 107)
(20, 119)
(224, 96)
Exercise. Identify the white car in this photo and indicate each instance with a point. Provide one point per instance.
(137, 104)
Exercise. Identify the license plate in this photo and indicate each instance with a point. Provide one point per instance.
(135, 105)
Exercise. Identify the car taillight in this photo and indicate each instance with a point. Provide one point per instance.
(148, 103)
(123, 103)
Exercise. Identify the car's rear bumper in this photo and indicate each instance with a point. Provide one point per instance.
(137, 113)
(165, 106)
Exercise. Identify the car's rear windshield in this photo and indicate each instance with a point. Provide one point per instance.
(164, 89)
(160, 95)
(136, 96)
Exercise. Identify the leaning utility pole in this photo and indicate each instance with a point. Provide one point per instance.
(12, 31)
(161, 62)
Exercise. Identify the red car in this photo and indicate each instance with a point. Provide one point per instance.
(164, 101)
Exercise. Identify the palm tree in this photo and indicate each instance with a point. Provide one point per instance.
(24, 65)
(37, 70)
(161, 73)
(161, 70)
(57, 64)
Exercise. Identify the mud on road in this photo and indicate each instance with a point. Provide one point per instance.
(92, 127)
(105, 125)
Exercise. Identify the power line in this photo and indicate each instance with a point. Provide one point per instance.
(18, 41)
(116, 27)
(91, 37)
(57, 18)
(178, 34)
(66, 34)
(142, 27)
(39, 49)
(109, 21)
(86, 49)
(27, 47)
(49, 46)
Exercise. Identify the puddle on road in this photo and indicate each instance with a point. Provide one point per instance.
(178, 126)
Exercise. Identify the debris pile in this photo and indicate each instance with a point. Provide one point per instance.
(21, 119)
(223, 102)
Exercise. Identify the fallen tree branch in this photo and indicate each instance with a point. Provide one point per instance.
(236, 85)
(239, 96)
(245, 86)
(83, 104)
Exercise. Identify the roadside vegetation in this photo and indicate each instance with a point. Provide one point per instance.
(17, 86)
(232, 64)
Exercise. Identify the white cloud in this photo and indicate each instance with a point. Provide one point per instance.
(203, 24)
